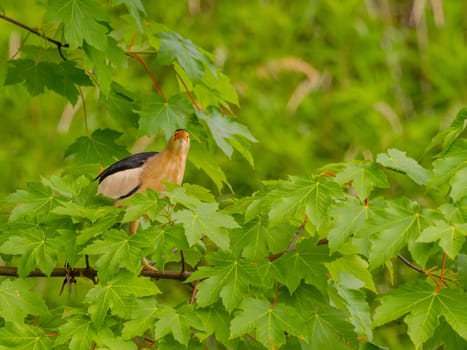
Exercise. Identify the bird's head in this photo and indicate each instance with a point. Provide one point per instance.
(179, 143)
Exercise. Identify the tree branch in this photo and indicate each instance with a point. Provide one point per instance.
(34, 31)
(90, 273)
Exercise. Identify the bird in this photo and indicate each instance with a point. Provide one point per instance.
(146, 170)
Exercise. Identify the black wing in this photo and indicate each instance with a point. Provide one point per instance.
(134, 161)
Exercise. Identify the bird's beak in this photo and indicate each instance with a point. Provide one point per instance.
(181, 134)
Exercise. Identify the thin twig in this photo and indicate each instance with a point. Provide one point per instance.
(59, 44)
(410, 264)
(292, 244)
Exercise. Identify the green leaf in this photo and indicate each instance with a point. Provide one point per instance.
(269, 322)
(450, 169)
(38, 248)
(37, 200)
(177, 322)
(353, 265)
(348, 217)
(206, 220)
(99, 148)
(447, 136)
(82, 21)
(156, 114)
(78, 332)
(136, 8)
(348, 287)
(326, 326)
(364, 178)
(227, 133)
(198, 158)
(252, 241)
(119, 295)
(398, 161)
(451, 237)
(142, 318)
(215, 91)
(141, 204)
(297, 197)
(459, 185)
(305, 262)
(228, 278)
(20, 336)
(174, 47)
(117, 249)
(424, 307)
(216, 321)
(392, 228)
(18, 301)
(63, 77)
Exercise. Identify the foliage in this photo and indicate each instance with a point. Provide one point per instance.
(299, 263)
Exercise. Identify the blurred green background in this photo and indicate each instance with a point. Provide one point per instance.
(318, 81)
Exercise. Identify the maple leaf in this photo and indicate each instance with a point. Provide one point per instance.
(99, 148)
(348, 217)
(157, 114)
(174, 47)
(423, 308)
(227, 133)
(205, 220)
(119, 295)
(451, 237)
(297, 197)
(364, 178)
(348, 288)
(116, 249)
(305, 262)
(82, 20)
(398, 161)
(37, 247)
(228, 279)
(37, 200)
(18, 301)
(392, 228)
(63, 78)
(177, 322)
(268, 322)
(21, 336)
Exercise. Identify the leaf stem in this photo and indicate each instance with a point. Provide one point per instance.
(441, 276)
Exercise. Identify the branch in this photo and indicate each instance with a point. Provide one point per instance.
(90, 273)
(34, 31)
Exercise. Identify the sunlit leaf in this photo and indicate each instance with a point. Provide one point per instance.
(398, 161)
(450, 237)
